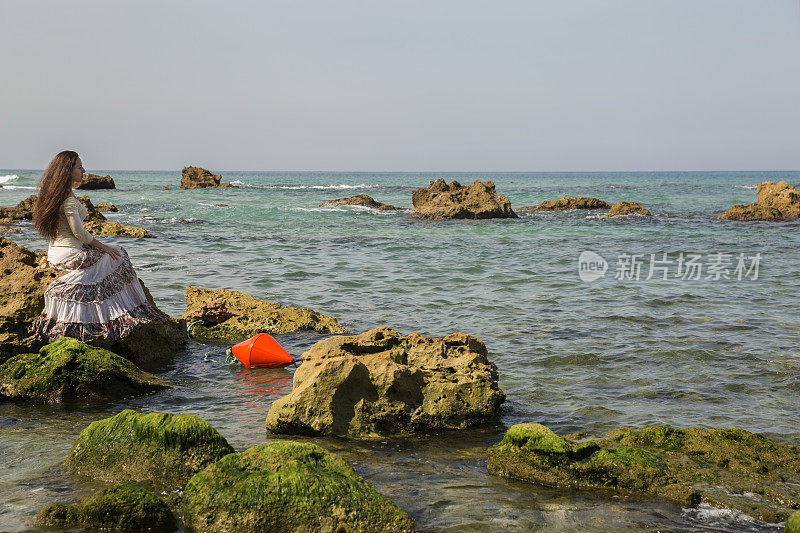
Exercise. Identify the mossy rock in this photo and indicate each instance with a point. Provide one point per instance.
(69, 370)
(793, 523)
(287, 486)
(724, 467)
(124, 507)
(159, 450)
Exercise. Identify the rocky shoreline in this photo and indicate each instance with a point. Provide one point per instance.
(375, 385)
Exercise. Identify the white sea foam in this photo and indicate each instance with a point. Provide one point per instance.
(745, 186)
(332, 186)
(8, 177)
(347, 208)
(18, 188)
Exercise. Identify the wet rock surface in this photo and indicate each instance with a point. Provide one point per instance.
(94, 181)
(68, 370)
(247, 316)
(441, 201)
(287, 486)
(723, 467)
(115, 229)
(161, 451)
(24, 277)
(200, 178)
(568, 202)
(383, 383)
(125, 507)
(105, 207)
(627, 208)
(775, 202)
(362, 200)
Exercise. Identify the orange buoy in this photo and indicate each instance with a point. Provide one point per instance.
(261, 351)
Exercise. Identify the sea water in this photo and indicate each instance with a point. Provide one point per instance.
(695, 350)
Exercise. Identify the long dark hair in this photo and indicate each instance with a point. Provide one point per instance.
(54, 187)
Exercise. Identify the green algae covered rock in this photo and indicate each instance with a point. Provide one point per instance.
(68, 370)
(287, 486)
(793, 523)
(160, 450)
(123, 507)
(723, 467)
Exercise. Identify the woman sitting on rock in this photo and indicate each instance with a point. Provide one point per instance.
(100, 295)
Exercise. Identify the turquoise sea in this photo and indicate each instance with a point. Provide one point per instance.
(573, 355)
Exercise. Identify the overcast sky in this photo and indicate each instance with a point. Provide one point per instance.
(409, 85)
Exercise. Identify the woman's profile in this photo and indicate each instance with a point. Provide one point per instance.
(100, 295)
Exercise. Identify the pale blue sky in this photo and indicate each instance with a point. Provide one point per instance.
(414, 85)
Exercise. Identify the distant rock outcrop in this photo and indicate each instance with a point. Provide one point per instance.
(627, 208)
(383, 383)
(232, 315)
(775, 202)
(441, 201)
(363, 200)
(200, 178)
(93, 181)
(568, 202)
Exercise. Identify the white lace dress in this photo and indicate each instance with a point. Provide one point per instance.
(99, 296)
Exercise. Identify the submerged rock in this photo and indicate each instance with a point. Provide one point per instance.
(24, 277)
(775, 202)
(723, 467)
(68, 370)
(93, 181)
(287, 486)
(627, 208)
(363, 200)
(383, 383)
(568, 202)
(105, 207)
(160, 450)
(115, 229)
(441, 201)
(247, 316)
(200, 178)
(125, 507)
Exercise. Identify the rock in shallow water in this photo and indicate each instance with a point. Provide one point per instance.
(775, 202)
(360, 200)
(125, 507)
(115, 229)
(627, 208)
(159, 450)
(94, 181)
(22, 286)
(723, 467)
(382, 383)
(287, 486)
(568, 202)
(441, 201)
(244, 316)
(69, 370)
(200, 178)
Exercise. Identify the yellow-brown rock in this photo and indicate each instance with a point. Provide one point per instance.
(105, 207)
(441, 201)
(200, 178)
(248, 316)
(383, 383)
(775, 202)
(566, 203)
(93, 181)
(627, 208)
(115, 229)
